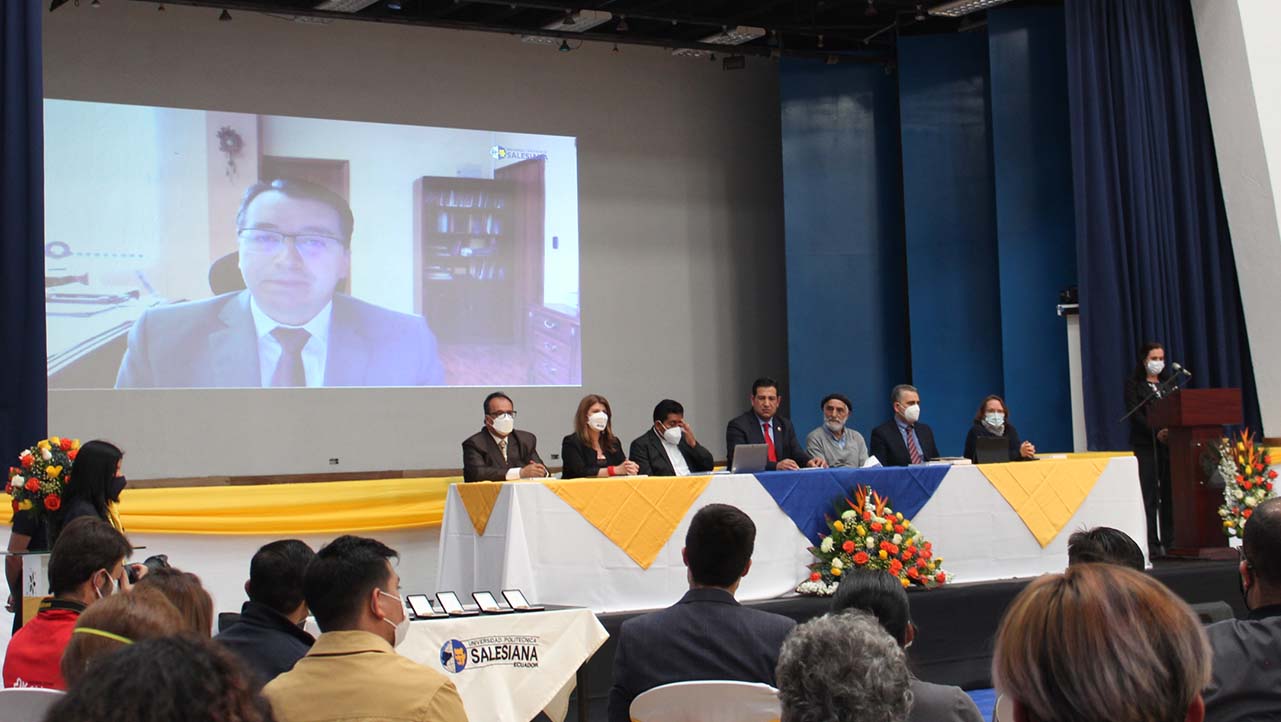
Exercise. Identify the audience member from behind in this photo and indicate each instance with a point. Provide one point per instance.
(353, 672)
(87, 564)
(1246, 680)
(883, 596)
(184, 591)
(115, 623)
(707, 634)
(1101, 643)
(269, 636)
(93, 489)
(1104, 545)
(162, 680)
(843, 668)
(838, 444)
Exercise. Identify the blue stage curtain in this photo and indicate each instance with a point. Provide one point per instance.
(1153, 251)
(23, 380)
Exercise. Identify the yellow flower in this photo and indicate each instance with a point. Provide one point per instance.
(905, 581)
(55, 441)
(836, 571)
(860, 530)
(899, 516)
(52, 472)
(838, 526)
(882, 554)
(75, 444)
(43, 444)
(907, 524)
(24, 504)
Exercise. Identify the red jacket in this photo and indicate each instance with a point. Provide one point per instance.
(34, 656)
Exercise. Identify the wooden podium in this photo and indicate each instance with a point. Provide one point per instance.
(1195, 418)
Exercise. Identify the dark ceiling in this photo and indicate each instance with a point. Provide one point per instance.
(837, 30)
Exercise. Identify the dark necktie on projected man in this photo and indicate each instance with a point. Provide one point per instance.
(289, 370)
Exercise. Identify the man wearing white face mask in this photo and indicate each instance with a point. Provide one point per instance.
(904, 440)
(669, 447)
(499, 452)
(833, 441)
(353, 671)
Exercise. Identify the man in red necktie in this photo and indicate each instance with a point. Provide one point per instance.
(762, 425)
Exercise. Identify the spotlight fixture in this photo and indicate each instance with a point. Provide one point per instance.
(735, 36)
(393, 5)
(871, 9)
(920, 13)
(957, 8)
(564, 46)
(95, 4)
(569, 18)
(224, 16)
(581, 21)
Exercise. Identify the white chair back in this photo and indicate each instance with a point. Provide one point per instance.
(26, 704)
(707, 701)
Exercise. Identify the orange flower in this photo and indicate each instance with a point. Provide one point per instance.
(896, 566)
(65, 443)
(1247, 485)
(898, 528)
(72, 454)
(1245, 514)
(1272, 473)
(913, 572)
(815, 577)
(867, 516)
(52, 502)
(848, 546)
(861, 558)
(876, 527)
(940, 577)
(32, 486)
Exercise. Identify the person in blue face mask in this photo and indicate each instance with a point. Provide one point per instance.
(992, 420)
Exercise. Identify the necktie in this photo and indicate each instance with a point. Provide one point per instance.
(502, 446)
(912, 449)
(769, 443)
(289, 370)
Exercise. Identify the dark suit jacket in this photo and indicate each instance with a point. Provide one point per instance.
(941, 703)
(213, 343)
(1245, 681)
(483, 460)
(580, 460)
(1136, 390)
(888, 447)
(267, 641)
(651, 456)
(977, 429)
(746, 429)
(706, 635)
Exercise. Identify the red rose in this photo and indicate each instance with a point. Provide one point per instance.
(52, 502)
(848, 547)
(32, 486)
(1247, 485)
(26, 461)
(927, 545)
(72, 454)
(860, 558)
(908, 553)
(914, 573)
(1258, 467)
(920, 562)
(1272, 473)
(876, 527)
(940, 577)
(896, 566)
(815, 577)
(66, 444)
(867, 516)
(898, 528)
(1246, 513)
(1267, 485)
(893, 550)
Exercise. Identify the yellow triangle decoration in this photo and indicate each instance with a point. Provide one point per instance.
(479, 498)
(1045, 494)
(639, 515)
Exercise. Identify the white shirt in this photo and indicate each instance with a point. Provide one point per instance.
(674, 455)
(514, 473)
(313, 354)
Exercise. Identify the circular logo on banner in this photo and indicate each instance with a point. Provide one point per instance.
(453, 656)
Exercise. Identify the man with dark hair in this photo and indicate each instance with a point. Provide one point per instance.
(836, 443)
(87, 563)
(353, 672)
(904, 440)
(762, 425)
(669, 447)
(1105, 545)
(1245, 677)
(269, 635)
(500, 452)
(707, 634)
(289, 327)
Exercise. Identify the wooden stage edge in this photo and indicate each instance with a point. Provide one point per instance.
(290, 478)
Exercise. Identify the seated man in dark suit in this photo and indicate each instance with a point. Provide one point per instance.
(267, 636)
(289, 327)
(499, 452)
(762, 426)
(903, 440)
(669, 447)
(707, 634)
(1245, 681)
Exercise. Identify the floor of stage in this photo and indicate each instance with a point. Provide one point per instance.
(955, 624)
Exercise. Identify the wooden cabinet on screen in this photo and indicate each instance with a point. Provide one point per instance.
(553, 337)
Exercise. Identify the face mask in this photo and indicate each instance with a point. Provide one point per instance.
(673, 435)
(116, 486)
(401, 627)
(912, 413)
(113, 586)
(1156, 367)
(994, 421)
(504, 423)
(834, 425)
(598, 420)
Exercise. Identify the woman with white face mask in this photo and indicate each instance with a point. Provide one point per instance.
(992, 421)
(593, 450)
(1147, 382)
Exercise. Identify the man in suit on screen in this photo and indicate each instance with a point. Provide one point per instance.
(707, 634)
(669, 447)
(904, 440)
(288, 327)
(763, 425)
(500, 452)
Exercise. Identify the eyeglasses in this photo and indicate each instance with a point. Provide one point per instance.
(268, 243)
(496, 414)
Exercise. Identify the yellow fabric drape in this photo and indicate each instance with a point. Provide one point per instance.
(639, 515)
(277, 509)
(478, 499)
(1046, 494)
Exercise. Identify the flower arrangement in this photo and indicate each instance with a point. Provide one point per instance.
(869, 534)
(230, 144)
(1247, 481)
(42, 474)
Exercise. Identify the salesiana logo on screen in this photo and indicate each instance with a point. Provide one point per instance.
(500, 152)
(510, 651)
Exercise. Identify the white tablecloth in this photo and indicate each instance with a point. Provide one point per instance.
(535, 542)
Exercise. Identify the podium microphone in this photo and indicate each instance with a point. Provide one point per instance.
(1180, 370)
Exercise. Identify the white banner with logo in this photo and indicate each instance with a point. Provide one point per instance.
(509, 667)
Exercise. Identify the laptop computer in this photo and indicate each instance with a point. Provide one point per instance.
(749, 458)
(991, 450)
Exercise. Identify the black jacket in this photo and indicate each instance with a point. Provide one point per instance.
(888, 447)
(746, 429)
(483, 460)
(977, 430)
(1136, 390)
(580, 459)
(651, 456)
(1245, 681)
(706, 635)
(267, 641)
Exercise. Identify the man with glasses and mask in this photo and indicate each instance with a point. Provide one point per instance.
(87, 563)
(499, 452)
(834, 442)
(289, 328)
(669, 447)
(904, 440)
(353, 671)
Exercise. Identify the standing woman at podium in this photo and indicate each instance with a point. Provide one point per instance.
(1144, 387)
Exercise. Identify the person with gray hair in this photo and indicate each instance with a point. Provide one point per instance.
(843, 668)
(904, 440)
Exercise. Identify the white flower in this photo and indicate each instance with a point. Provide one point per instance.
(897, 539)
(45, 454)
(17, 481)
(827, 545)
(837, 563)
(871, 543)
(1251, 502)
(1238, 494)
(849, 515)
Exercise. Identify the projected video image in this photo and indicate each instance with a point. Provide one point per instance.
(203, 249)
